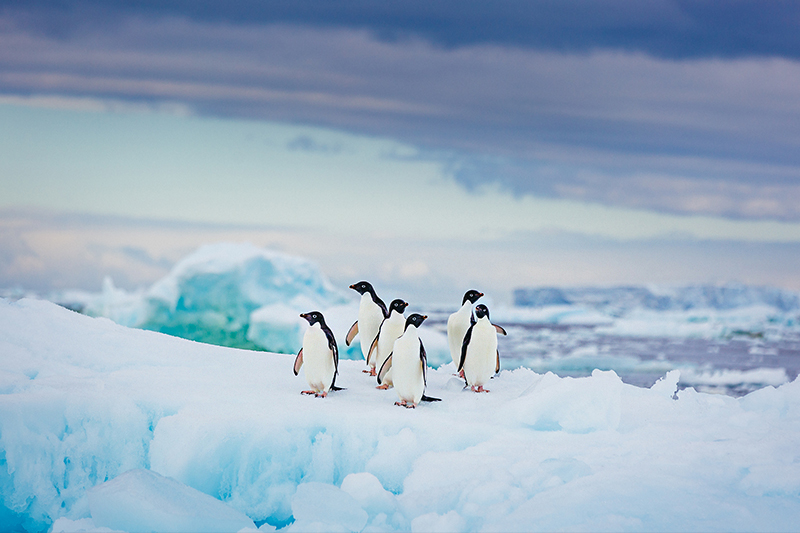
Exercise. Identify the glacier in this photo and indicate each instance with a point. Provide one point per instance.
(99, 420)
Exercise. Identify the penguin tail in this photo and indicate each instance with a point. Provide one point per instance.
(334, 387)
(429, 399)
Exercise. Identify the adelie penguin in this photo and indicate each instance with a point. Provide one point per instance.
(409, 364)
(458, 323)
(371, 312)
(320, 355)
(480, 359)
(391, 328)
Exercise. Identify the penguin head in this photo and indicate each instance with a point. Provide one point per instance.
(471, 296)
(314, 317)
(398, 305)
(415, 320)
(481, 311)
(362, 286)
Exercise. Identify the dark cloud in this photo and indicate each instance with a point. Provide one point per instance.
(665, 28)
(679, 107)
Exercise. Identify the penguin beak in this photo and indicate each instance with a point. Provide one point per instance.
(480, 294)
(424, 317)
(304, 315)
(353, 286)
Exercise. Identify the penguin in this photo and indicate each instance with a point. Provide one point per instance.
(391, 328)
(458, 323)
(371, 312)
(480, 359)
(409, 365)
(320, 354)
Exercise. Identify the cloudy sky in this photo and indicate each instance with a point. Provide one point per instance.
(428, 146)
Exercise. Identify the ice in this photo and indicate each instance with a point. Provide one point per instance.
(236, 295)
(228, 294)
(142, 500)
(87, 404)
(326, 505)
(621, 300)
(591, 404)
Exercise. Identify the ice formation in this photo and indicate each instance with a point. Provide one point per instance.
(227, 294)
(97, 420)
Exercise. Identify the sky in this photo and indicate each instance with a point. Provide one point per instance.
(430, 147)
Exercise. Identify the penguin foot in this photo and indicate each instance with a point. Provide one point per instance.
(309, 392)
(371, 372)
(401, 404)
(385, 386)
(323, 394)
(479, 388)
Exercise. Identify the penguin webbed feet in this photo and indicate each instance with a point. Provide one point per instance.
(317, 394)
(384, 386)
(404, 403)
(371, 372)
(479, 388)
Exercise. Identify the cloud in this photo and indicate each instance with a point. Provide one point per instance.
(606, 102)
(48, 252)
(675, 29)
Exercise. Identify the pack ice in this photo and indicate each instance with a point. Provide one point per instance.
(103, 427)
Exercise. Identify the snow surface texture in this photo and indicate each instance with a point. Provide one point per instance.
(98, 421)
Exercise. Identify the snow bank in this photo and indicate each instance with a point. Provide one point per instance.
(87, 406)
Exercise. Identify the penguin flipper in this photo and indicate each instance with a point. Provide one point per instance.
(298, 362)
(497, 367)
(500, 329)
(384, 369)
(464, 345)
(373, 348)
(352, 333)
(429, 399)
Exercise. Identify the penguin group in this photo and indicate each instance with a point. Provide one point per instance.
(393, 351)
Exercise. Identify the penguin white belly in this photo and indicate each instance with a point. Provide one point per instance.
(457, 326)
(391, 330)
(481, 359)
(407, 368)
(370, 317)
(317, 359)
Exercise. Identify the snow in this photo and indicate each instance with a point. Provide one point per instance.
(98, 420)
(142, 500)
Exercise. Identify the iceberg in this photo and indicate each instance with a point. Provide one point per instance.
(228, 294)
(99, 421)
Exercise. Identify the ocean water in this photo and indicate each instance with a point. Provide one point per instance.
(734, 363)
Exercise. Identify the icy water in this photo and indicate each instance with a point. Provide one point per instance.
(735, 365)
